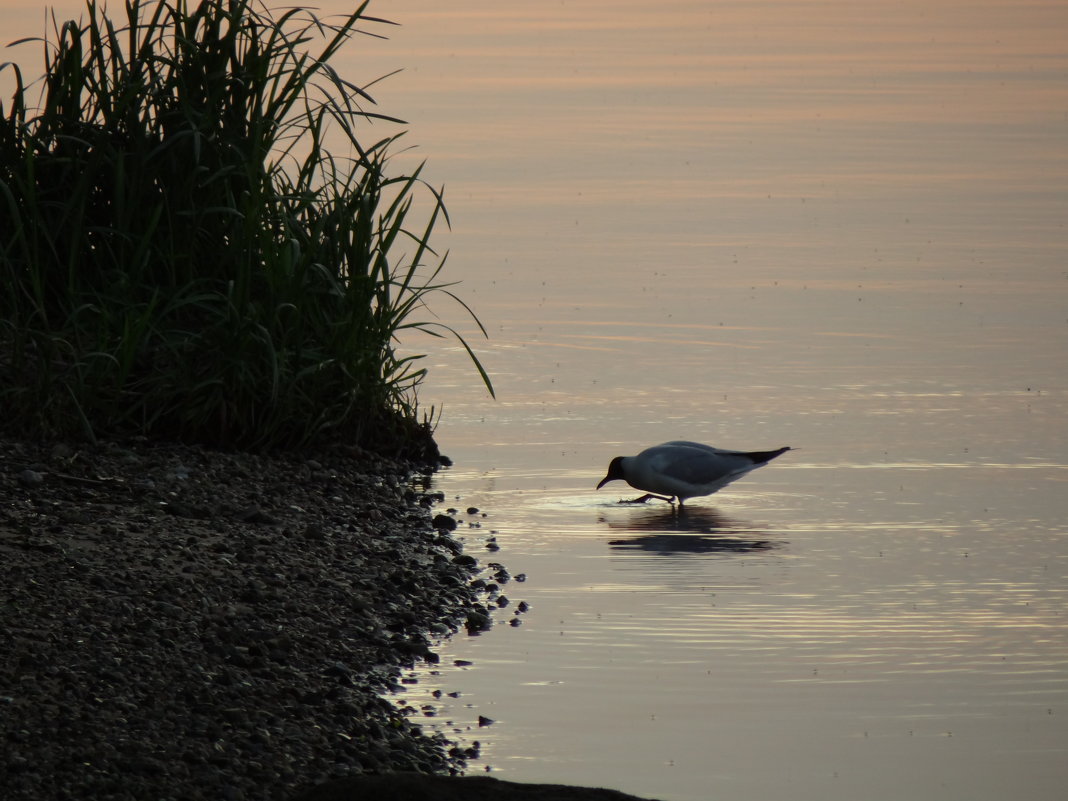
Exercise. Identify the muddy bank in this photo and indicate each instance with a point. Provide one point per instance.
(411, 787)
(178, 623)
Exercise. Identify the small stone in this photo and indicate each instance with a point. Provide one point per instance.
(314, 532)
(30, 478)
(257, 516)
(188, 511)
(444, 523)
(477, 622)
(61, 452)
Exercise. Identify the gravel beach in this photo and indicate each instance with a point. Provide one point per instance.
(177, 623)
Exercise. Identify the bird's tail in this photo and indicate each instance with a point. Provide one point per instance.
(763, 457)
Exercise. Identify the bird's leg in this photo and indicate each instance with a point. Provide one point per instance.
(649, 495)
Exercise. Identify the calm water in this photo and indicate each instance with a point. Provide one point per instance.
(832, 225)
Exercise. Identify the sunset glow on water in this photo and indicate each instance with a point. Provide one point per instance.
(838, 226)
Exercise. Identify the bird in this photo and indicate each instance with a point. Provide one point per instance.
(682, 470)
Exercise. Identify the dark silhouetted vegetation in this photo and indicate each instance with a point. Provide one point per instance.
(183, 256)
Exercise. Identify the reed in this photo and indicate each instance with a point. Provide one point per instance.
(182, 255)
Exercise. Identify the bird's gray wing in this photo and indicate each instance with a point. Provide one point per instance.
(698, 467)
(698, 446)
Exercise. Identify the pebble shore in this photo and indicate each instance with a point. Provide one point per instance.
(177, 623)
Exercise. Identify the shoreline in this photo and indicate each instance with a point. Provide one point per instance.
(179, 623)
(185, 623)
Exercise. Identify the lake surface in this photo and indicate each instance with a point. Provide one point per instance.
(837, 226)
(834, 227)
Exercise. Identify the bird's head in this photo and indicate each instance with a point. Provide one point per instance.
(615, 472)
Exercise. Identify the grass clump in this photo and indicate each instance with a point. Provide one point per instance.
(181, 255)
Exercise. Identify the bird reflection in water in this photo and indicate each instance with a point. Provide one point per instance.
(686, 530)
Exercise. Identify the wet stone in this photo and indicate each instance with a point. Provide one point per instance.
(444, 523)
(30, 478)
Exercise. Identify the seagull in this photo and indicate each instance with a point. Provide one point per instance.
(684, 470)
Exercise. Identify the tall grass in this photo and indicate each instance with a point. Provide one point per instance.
(182, 255)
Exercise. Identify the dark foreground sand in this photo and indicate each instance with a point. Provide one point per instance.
(177, 623)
